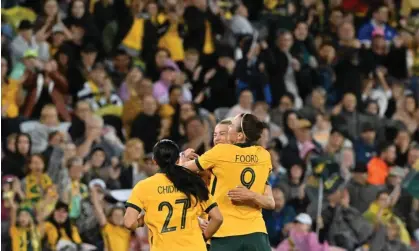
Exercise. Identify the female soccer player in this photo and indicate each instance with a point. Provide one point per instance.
(172, 201)
(240, 164)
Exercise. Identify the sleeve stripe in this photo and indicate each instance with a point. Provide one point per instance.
(198, 165)
(127, 204)
(211, 207)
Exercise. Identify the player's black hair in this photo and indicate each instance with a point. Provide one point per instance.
(251, 127)
(166, 154)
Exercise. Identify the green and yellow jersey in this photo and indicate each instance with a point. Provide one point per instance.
(172, 219)
(232, 166)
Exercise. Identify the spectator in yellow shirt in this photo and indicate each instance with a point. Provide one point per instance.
(115, 235)
(10, 92)
(59, 228)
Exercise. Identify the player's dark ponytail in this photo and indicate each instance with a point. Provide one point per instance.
(251, 127)
(166, 154)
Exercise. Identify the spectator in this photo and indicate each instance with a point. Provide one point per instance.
(59, 228)
(278, 220)
(240, 24)
(117, 236)
(172, 31)
(204, 24)
(379, 21)
(147, 124)
(197, 135)
(36, 181)
(167, 78)
(365, 147)
(23, 226)
(360, 189)
(72, 190)
(379, 166)
(121, 66)
(244, 105)
(12, 88)
(406, 113)
(380, 210)
(219, 81)
(93, 138)
(286, 102)
(40, 131)
(14, 162)
(25, 41)
(133, 166)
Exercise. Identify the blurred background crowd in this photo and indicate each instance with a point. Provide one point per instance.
(89, 86)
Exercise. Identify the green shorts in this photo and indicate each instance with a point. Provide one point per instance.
(248, 242)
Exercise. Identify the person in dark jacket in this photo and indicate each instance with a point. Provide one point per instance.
(133, 25)
(146, 126)
(276, 220)
(365, 147)
(13, 163)
(204, 25)
(362, 193)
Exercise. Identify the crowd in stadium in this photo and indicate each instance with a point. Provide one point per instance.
(88, 87)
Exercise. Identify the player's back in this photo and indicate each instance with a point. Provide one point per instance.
(170, 216)
(233, 166)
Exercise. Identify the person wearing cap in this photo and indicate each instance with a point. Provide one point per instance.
(365, 146)
(58, 227)
(302, 238)
(361, 192)
(26, 40)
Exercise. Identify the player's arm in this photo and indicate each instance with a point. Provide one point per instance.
(204, 162)
(245, 196)
(216, 219)
(134, 215)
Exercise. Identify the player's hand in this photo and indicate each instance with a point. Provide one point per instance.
(203, 224)
(190, 154)
(240, 194)
(140, 219)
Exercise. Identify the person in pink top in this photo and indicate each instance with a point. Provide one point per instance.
(301, 237)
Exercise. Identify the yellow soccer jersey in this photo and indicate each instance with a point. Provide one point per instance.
(171, 218)
(232, 166)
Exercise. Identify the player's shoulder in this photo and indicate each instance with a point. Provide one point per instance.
(221, 147)
(151, 181)
(262, 153)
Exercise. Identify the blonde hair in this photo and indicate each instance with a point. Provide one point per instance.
(225, 122)
(126, 159)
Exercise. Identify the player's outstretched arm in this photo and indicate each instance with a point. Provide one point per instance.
(216, 219)
(242, 195)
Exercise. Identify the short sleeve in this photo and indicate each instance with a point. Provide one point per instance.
(208, 204)
(136, 200)
(211, 157)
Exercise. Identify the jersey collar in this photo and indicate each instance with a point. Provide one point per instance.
(243, 145)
